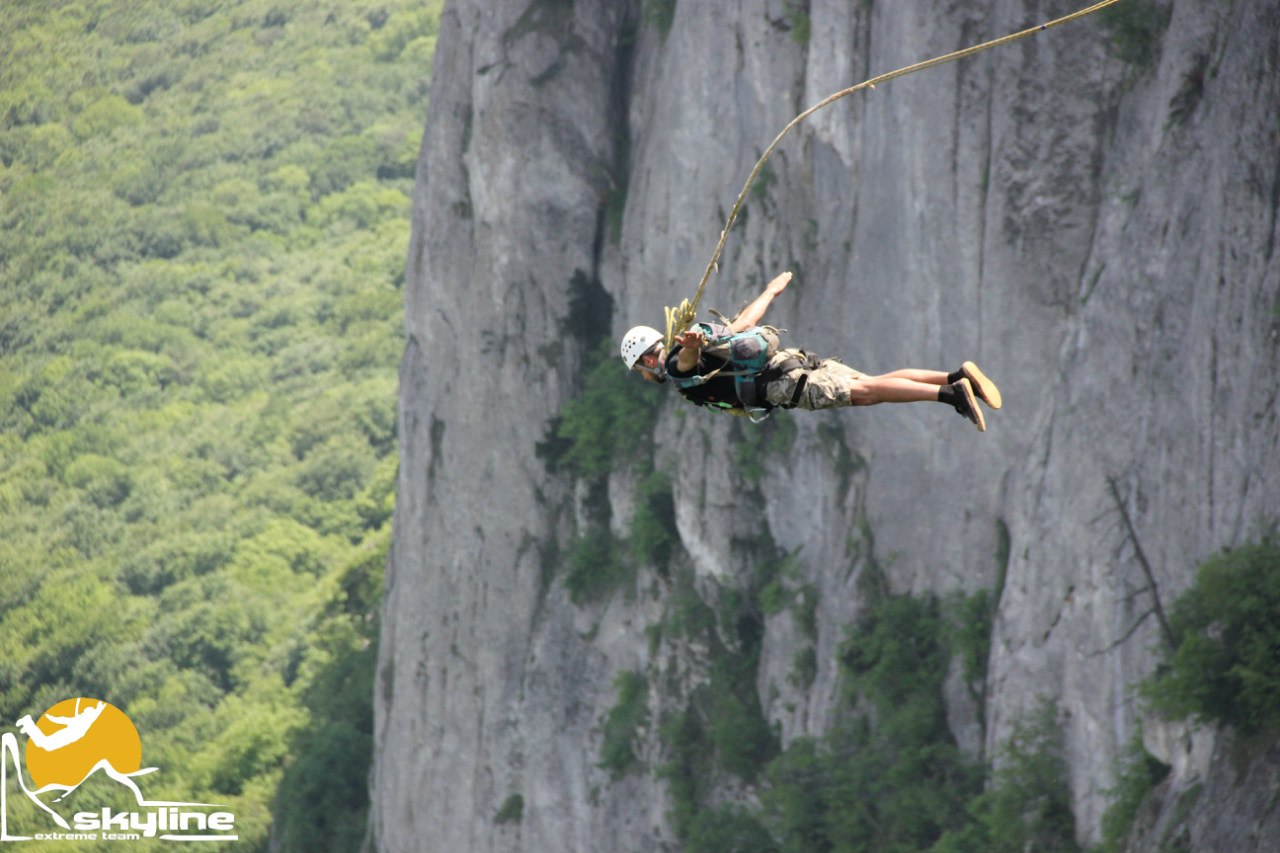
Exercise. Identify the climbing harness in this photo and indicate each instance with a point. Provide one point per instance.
(748, 358)
(743, 356)
(682, 316)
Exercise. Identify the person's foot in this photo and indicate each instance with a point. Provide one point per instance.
(983, 387)
(966, 403)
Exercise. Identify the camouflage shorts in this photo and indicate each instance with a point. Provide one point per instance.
(828, 386)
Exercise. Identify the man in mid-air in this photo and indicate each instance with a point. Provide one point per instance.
(741, 368)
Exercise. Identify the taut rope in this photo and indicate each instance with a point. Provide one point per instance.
(683, 316)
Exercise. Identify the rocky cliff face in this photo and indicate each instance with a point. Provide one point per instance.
(1098, 233)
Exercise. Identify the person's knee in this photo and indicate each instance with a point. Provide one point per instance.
(862, 393)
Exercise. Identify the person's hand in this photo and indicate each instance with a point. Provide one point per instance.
(691, 339)
(778, 284)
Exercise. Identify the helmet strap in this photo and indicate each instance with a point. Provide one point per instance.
(659, 372)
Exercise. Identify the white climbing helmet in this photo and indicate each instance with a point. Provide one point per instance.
(636, 343)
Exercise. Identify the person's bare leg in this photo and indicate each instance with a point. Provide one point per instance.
(893, 388)
(911, 385)
(915, 374)
(982, 386)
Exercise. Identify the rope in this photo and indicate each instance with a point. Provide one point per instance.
(682, 317)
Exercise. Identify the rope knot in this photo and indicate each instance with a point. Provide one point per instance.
(679, 319)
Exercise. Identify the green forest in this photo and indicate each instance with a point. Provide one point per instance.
(204, 215)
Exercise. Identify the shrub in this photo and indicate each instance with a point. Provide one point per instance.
(1028, 804)
(653, 526)
(804, 668)
(363, 204)
(798, 21)
(1225, 668)
(728, 829)
(105, 115)
(511, 810)
(1135, 28)
(596, 567)
(722, 728)
(605, 424)
(972, 620)
(889, 776)
(660, 13)
(323, 795)
(737, 729)
(337, 470)
(629, 713)
(104, 481)
(897, 652)
(1139, 775)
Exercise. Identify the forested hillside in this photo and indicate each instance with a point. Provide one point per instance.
(204, 212)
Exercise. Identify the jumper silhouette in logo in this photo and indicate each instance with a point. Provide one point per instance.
(73, 742)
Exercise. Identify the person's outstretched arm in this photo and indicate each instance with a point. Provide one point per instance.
(690, 342)
(754, 313)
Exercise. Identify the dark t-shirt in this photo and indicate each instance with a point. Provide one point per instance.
(718, 391)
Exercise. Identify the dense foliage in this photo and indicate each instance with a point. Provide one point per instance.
(607, 426)
(721, 733)
(892, 778)
(203, 224)
(889, 775)
(1026, 804)
(629, 713)
(1225, 668)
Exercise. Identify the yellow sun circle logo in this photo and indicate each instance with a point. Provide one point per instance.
(79, 734)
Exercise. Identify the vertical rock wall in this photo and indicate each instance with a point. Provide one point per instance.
(1098, 234)
(1161, 402)
(486, 689)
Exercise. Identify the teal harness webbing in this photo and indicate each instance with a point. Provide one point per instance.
(746, 357)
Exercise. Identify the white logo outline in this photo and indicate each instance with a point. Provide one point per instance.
(75, 728)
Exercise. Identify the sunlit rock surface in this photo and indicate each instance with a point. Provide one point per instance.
(1098, 234)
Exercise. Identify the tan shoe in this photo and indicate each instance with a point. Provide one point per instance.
(967, 404)
(982, 386)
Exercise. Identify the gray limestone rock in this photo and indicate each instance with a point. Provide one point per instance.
(1099, 235)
